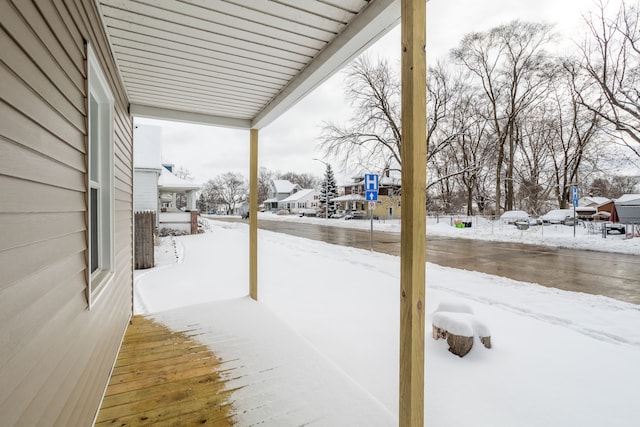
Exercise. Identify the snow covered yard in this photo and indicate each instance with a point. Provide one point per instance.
(558, 358)
(549, 235)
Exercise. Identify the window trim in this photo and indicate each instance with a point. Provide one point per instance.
(98, 89)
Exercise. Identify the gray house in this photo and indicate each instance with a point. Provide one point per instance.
(74, 74)
(279, 189)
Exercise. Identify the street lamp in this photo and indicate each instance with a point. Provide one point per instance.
(326, 192)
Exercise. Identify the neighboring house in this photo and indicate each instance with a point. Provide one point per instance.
(169, 186)
(593, 201)
(74, 74)
(155, 186)
(588, 206)
(389, 204)
(302, 199)
(147, 166)
(279, 189)
(241, 208)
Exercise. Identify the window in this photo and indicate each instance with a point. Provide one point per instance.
(100, 195)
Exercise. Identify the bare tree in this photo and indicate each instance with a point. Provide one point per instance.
(228, 189)
(611, 60)
(577, 129)
(264, 183)
(508, 62)
(304, 180)
(372, 138)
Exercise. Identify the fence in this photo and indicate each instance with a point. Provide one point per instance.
(145, 225)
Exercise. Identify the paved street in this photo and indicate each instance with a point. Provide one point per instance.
(599, 273)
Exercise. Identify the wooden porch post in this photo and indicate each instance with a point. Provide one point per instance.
(413, 239)
(253, 214)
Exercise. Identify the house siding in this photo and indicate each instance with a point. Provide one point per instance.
(56, 355)
(146, 191)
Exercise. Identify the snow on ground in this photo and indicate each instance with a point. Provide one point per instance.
(558, 358)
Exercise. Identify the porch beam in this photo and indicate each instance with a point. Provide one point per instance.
(253, 214)
(158, 113)
(413, 219)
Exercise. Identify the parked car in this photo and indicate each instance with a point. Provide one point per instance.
(559, 216)
(511, 217)
(307, 212)
(355, 215)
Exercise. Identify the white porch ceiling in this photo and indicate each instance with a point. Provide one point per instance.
(238, 63)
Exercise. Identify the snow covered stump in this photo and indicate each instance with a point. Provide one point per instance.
(458, 325)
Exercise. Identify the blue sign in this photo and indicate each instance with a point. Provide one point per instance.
(574, 193)
(575, 201)
(371, 183)
(372, 196)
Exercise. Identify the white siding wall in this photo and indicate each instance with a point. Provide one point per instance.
(145, 191)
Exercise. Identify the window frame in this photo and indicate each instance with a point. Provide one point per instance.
(100, 152)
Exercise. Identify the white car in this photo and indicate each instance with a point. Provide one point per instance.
(511, 217)
(558, 216)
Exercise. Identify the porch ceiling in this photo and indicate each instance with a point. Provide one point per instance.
(235, 62)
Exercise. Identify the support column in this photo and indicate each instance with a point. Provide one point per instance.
(413, 220)
(253, 214)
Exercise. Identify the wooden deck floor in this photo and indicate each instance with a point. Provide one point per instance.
(164, 378)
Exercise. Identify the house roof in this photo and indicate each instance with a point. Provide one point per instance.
(168, 182)
(237, 64)
(597, 201)
(298, 195)
(283, 186)
(628, 200)
(349, 198)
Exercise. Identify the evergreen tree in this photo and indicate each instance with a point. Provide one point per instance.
(328, 187)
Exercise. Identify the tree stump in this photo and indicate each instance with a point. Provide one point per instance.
(459, 329)
(459, 345)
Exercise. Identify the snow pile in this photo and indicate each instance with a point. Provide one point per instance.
(557, 359)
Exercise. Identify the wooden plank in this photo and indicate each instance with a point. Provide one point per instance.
(413, 220)
(158, 390)
(253, 217)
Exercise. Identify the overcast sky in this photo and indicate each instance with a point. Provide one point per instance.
(291, 142)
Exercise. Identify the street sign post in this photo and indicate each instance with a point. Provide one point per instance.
(574, 196)
(371, 186)
(371, 182)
